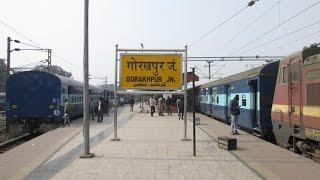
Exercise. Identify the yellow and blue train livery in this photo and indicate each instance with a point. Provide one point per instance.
(38, 97)
(255, 88)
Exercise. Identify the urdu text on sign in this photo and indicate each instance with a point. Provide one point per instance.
(151, 71)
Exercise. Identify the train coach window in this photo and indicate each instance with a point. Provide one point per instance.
(313, 94)
(244, 100)
(213, 99)
(217, 99)
(295, 75)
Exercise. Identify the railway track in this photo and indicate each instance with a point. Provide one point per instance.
(6, 146)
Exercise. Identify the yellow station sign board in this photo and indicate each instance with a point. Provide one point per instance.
(151, 71)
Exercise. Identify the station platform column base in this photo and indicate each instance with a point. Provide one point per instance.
(115, 139)
(90, 155)
(185, 139)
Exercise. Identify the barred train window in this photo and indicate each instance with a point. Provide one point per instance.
(313, 96)
(244, 100)
(285, 75)
(295, 74)
(280, 75)
(213, 99)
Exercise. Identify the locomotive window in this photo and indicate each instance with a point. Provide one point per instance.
(280, 74)
(313, 74)
(313, 96)
(283, 75)
(295, 75)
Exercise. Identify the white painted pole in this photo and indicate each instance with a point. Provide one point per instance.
(185, 94)
(115, 120)
(87, 153)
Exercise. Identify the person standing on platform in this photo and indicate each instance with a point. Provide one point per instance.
(92, 109)
(160, 104)
(152, 103)
(100, 110)
(180, 108)
(178, 105)
(66, 115)
(168, 106)
(107, 106)
(131, 102)
(121, 101)
(235, 112)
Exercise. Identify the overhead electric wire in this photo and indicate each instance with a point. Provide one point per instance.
(79, 68)
(285, 35)
(202, 73)
(254, 21)
(30, 64)
(36, 45)
(219, 69)
(11, 28)
(216, 27)
(64, 60)
(31, 45)
(274, 28)
(296, 40)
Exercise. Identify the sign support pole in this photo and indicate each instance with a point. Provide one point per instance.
(115, 120)
(185, 95)
(87, 153)
(194, 112)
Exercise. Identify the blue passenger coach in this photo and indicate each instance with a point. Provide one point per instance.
(255, 88)
(2, 101)
(39, 97)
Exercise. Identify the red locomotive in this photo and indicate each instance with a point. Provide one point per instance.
(296, 103)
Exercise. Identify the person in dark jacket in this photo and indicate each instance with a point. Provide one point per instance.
(106, 106)
(235, 112)
(92, 109)
(180, 104)
(168, 106)
(131, 102)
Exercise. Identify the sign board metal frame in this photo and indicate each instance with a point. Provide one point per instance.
(152, 54)
(153, 51)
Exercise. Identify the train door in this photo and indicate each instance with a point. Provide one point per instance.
(209, 101)
(228, 99)
(254, 88)
(294, 89)
(206, 103)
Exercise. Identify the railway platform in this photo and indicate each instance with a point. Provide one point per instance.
(151, 148)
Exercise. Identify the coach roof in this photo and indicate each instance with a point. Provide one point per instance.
(239, 76)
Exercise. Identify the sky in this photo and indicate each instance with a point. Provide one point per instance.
(160, 24)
